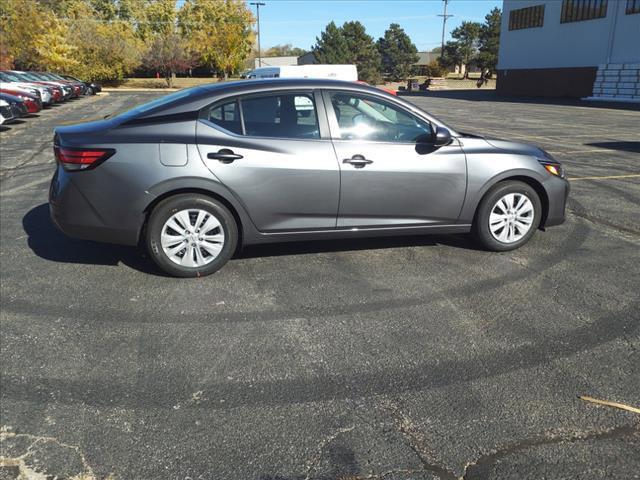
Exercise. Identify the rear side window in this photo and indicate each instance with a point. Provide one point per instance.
(290, 115)
(226, 115)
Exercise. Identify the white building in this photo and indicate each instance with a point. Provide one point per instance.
(572, 48)
(275, 61)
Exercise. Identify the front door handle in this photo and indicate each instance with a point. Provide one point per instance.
(357, 161)
(225, 155)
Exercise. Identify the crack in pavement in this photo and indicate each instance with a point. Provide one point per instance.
(479, 468)
(417, 442)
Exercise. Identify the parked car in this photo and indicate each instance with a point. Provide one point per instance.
(78, 87)
(64, 90)
(197, 173)
(31, 101)
(6, 114)
(91, 88)
(68, 90)
(43, 91)
(17, 105)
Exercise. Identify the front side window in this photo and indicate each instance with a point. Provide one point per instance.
(366, 118)
(290, 115)
(580, 10)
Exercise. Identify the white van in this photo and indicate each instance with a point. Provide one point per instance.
(347, 73)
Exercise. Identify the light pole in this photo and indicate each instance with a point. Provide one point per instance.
(444, 22)
(258, 5)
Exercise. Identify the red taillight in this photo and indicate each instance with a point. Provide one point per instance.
(81, 158)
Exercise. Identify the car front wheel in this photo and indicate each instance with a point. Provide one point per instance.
(507, 217)
(190, 235)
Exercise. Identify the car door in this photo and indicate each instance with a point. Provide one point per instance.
(273, 151)
(388, 178)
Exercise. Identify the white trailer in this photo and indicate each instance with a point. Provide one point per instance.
(348, 73)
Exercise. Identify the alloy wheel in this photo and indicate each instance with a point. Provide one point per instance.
(192, 238)
(511, 217)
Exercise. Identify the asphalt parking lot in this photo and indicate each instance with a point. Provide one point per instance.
(410, 358)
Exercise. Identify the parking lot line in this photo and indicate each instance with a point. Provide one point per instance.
(606, 177)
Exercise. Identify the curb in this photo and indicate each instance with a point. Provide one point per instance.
(140, 89)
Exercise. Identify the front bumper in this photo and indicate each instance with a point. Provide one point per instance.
(558, 193)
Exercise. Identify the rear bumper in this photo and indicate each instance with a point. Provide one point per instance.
(558, 193)
(74, 215)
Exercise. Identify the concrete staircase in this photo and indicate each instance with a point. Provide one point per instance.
(617, 82)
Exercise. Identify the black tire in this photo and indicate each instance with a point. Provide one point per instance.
(480, 229)
(166, 209)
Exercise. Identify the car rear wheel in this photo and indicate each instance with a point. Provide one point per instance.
(507, 217)
(190, 235)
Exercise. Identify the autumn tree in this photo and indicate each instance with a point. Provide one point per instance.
(169, 54)
(219, 32)
(106, 49)
(397, 51)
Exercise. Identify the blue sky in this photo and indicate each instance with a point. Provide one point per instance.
(299, 22)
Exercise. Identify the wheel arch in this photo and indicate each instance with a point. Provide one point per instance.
(532, 182)
(233, 209)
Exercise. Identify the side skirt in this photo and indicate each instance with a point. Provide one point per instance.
(310, 235)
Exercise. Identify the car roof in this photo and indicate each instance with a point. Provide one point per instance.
(269, 83)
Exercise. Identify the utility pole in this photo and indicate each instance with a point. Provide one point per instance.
(444, 23)
(258, 5)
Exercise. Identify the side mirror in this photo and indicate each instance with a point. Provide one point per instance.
(442, 137)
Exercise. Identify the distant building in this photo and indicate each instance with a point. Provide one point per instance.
(570, 48)
(275, 61)
(307, 59)
(426, 58)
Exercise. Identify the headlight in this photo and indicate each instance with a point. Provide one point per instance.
(554, 168)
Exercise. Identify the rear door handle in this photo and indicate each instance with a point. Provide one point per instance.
(225, 156)
(357, 161)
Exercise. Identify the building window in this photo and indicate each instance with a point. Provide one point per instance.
(529, 17)
(579, 10)
(633, 6)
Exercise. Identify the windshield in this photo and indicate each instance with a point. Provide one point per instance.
(9, 77)
(30, 77)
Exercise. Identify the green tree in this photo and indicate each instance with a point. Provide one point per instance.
(451, 55)
(466, 37)
(397, 52)
(489, 42)
(331, 47)
(349, 44)
(363, 52)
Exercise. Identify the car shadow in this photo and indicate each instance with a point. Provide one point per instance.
(47, 242)
(633, 147)
(480, 95)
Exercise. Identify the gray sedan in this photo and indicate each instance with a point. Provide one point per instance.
(198, 173)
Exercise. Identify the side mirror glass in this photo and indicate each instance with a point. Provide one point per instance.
(442, 137)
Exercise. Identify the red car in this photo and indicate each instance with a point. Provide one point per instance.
(32, 102)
